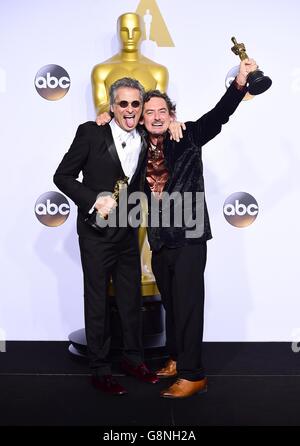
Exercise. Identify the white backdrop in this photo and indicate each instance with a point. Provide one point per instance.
(252, 275)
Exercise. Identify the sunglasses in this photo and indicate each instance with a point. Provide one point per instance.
(124, 104)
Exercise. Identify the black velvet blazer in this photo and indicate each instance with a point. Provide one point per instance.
(184, 162)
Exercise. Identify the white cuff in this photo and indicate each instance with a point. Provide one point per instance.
(92, 208)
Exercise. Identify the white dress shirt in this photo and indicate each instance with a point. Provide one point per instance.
(128, 145)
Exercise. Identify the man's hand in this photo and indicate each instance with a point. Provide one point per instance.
(246, 67)
(175, 130)
(103, 118)
(105, 205)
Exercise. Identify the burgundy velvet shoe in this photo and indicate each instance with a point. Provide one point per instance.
(108, 384)
(140, 372)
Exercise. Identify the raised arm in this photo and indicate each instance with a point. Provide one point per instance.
(210, 124)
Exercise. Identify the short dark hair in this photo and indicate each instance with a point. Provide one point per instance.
(158, 94)
(125, 82)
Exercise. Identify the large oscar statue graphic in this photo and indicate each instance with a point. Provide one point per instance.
(129, 62)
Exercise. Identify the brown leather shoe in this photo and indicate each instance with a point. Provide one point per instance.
(169, 370)
(183, 388)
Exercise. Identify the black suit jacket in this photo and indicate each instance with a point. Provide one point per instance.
(94, 153)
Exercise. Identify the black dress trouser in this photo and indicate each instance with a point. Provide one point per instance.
(101, 260)
(179, 274)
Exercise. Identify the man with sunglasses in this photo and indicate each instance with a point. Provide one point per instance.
(104, 155)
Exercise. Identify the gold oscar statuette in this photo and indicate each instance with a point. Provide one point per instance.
(95, 219)
(118, 188)
(257, 82)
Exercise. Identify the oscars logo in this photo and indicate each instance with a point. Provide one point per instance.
(155, 28)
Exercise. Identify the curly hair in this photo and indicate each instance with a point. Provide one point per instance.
(158, 94)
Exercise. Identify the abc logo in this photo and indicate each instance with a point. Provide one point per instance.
(240, 209)
(52, 82)
(230, 76)
(52, 209)
(2, 341)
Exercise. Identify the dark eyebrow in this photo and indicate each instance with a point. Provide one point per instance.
(160, 109)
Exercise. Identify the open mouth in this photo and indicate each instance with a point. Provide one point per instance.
(157, 124)
(129, 120)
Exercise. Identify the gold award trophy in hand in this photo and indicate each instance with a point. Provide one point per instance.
(96, 219)
(257, 82)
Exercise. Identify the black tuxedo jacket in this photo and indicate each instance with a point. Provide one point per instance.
(94, 153)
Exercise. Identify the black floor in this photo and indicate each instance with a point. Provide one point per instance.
(250, 384)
